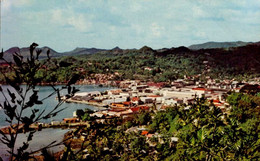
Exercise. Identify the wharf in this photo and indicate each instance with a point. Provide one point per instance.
(39, 126)
(86, 102)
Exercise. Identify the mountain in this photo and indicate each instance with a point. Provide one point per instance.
(25, 52)
(146, 50)
(82, 51)
(115, 51)
(212, 45)
(178, 50)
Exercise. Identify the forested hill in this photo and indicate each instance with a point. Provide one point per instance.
(157, 65)
(25, 52)
(214, 45)
(82, 51)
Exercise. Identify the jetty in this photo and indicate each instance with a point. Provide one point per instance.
(39, 126)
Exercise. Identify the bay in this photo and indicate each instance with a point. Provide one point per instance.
(46, 136)
(51, 102)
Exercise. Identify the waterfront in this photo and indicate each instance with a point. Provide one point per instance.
(42, 138)
(51, 102)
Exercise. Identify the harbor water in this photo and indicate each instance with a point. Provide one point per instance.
(46, 136)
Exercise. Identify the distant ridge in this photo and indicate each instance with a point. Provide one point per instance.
(213, 45)
(116, 50)
(8, 54)
(82, 51)
(25, 52)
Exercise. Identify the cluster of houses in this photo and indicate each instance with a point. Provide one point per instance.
(133, 96)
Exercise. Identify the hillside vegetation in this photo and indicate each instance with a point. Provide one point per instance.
(159, 65)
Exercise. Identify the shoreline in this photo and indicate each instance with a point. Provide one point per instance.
(86, 102)
(111, 83)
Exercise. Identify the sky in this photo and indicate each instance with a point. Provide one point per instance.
(66, 24)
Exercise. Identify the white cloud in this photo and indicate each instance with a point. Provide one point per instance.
(79, 22)
(8, 5)
(64, 17)
(156, 29)
(129, 23)
(135, 7)
(198, 12)
(57, 16)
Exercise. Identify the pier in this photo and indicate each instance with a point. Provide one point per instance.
(40, 126)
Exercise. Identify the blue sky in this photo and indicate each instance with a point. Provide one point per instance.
(66, 24)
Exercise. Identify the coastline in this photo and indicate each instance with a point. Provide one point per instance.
(73, 107)
(106, 83)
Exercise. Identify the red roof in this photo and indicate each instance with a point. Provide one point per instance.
(144, 132)
(216, 101)
(135, 99)
(199, 89)
(153, 96)
(136, 109)
(161, 84)
(70, 119)
(144, 107)
(127, 103)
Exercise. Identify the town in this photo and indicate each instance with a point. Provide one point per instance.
(133, 96)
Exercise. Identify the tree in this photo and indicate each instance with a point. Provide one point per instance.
(143, 117)
(18, 99)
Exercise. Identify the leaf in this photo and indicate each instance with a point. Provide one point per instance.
(24, 147)
(34, 45)
(58, 93)
(19, 102)
(12, 95)
(38, 102)
(47, 116)
(48, 54)
(69, 89)
(74, 79)
(9, 110)
(30, 136)
(38, 52)
(35, 110)
(9, 121)
(33, 100)
(17, 60)
(2, 54)
(74, 90)
(27, 121)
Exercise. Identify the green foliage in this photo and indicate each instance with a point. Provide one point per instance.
(143, 117)
(244, 106)
(86, 117)
(17, 99)
(203, 132)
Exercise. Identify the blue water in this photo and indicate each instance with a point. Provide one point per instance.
(46, 136)
(51, 102)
